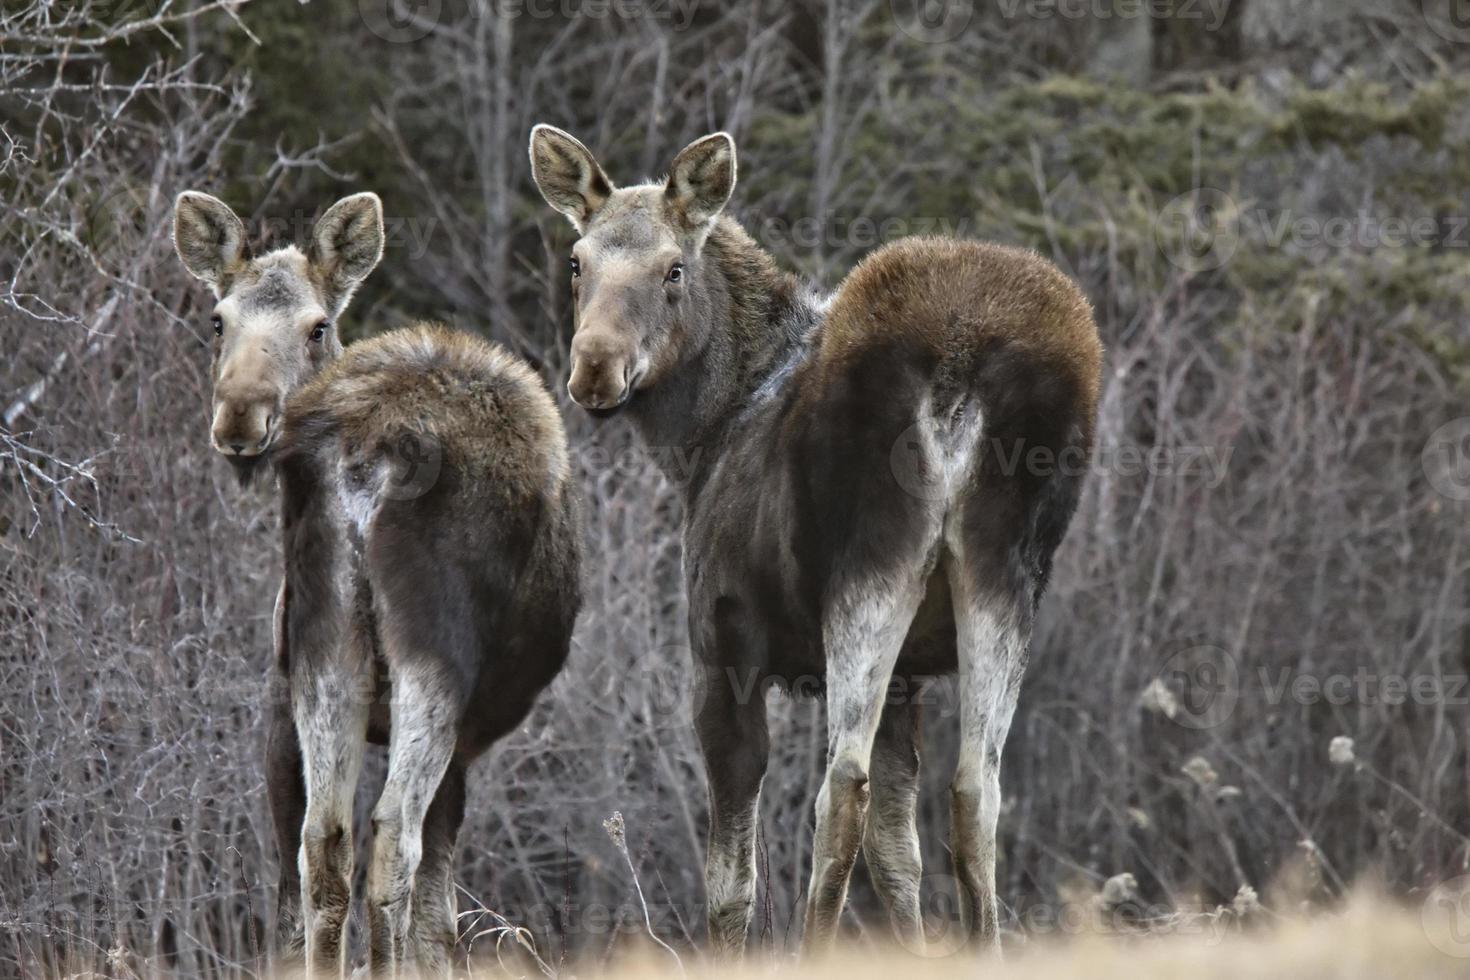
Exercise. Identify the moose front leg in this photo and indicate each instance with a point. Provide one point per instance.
(286, 792)
(731, 724)
(329, 694)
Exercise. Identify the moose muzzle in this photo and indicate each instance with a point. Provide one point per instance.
(604, 369)
(244, 418)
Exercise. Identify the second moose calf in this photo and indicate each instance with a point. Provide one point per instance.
(432, 540)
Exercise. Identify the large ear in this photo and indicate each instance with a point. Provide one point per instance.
(346, 244)
(567, 174)
(701, 180)
(209, 237)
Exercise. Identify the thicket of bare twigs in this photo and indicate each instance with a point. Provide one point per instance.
(1271, 552)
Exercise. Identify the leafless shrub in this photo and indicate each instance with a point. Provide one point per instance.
(137, 580)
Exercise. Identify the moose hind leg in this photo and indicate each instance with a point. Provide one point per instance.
(863, 632)
(891, 838)
(434, 904)
(991, 632)
(425, 725)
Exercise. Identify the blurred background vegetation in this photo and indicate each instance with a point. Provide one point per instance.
(1264, 199)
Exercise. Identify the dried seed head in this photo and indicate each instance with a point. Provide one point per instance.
(1158, 699)
(1117, 890)
(1340, 751)
(614, 827)
(1200, 770)
(1246, 902)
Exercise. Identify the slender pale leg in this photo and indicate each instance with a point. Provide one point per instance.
(891, 840)
(863, 633)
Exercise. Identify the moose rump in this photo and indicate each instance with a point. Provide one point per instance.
(431, 536)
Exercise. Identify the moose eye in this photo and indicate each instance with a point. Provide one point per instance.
(219, 325)
(319, 331)
(676, 272)
(576, 267)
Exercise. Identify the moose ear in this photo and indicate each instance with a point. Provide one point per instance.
(347, 241)
(701, 180)
(567, 174)
(209, 237)
(346, 244)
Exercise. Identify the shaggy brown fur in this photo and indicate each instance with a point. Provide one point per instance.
(956, 296)
(464, 394)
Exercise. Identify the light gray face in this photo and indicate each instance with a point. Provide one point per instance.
(274, 322)
(271, 333)
(635, 270)
(629, 275)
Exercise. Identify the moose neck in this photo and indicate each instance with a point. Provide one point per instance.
(755, 321)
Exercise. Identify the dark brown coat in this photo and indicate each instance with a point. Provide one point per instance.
(874, 484)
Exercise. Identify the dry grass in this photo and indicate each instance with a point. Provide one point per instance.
(1369, 938)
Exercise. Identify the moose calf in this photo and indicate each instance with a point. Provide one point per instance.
(431, 566)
